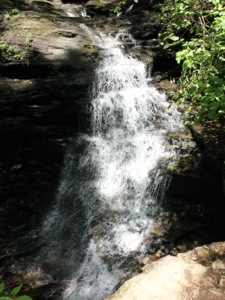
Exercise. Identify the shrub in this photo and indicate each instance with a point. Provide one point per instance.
(196, 32)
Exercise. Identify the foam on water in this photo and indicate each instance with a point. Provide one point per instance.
(115, 184)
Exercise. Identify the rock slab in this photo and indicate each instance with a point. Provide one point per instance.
(197, 274)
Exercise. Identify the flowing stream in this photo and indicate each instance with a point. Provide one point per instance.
(114, 178)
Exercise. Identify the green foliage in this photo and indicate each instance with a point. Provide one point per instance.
(196, 32)
(8, 52)
(25, 55)
(117, 9)
(100, 3)
(13, 295)
(121, 3)
(6, 49)
(11, 14)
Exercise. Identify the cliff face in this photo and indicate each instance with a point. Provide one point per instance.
(45, 65)
(45, 73)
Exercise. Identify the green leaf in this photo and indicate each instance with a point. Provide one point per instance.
(192, 90)
(23, 297)
(179, 57)
(5, 298)
(2, 286)
(16, 290)
(117, 10)
(201, 54)
(100, 3)
(174, 38)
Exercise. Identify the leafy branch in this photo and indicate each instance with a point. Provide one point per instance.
(196, 32)
(13, 294)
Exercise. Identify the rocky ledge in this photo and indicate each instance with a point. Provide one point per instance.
(197, 275)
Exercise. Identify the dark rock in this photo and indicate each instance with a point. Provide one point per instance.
(213, 153)
(21, 71)
(48, 291)
(197, 189)
(166, 63)
(68, 34)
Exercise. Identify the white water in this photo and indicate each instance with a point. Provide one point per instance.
(75, 11)
(108, 192)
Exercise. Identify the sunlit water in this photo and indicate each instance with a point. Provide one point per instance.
(113, 178)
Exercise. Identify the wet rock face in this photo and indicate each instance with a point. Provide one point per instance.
(43, 105)
(48, 291)
(39, 118)
(44, 102)
(194, 189)
(197, 186)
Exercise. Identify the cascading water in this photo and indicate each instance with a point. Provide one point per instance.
(113, 178)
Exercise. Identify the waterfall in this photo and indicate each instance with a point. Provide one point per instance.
(114, 177)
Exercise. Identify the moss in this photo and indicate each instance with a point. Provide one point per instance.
(7, 52)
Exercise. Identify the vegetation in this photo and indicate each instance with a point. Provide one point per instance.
(21, 53)
(195, 30)
(5, 295)
(5, 49)
(118, 9)
(11, 14)
(8, 52)
(26, 54)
